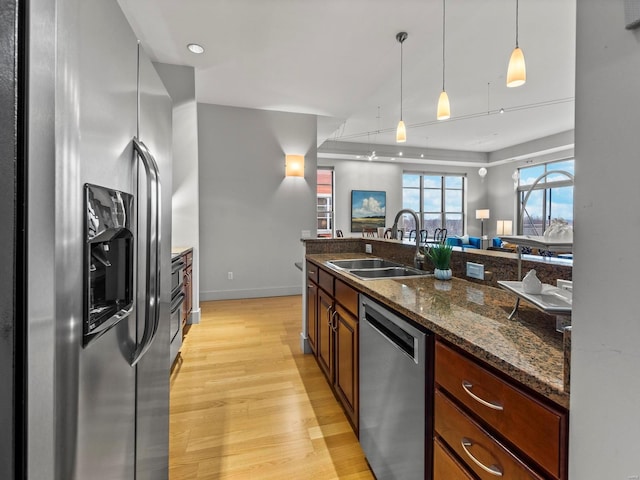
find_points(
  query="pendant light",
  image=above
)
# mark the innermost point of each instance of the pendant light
(444, 110)
(401, 132)
(517, 72)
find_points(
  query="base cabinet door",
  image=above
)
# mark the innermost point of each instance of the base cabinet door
(335, 344)
(312, 316)
(346, 370)
(325, 334)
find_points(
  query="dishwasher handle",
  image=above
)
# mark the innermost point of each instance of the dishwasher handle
(393, 333)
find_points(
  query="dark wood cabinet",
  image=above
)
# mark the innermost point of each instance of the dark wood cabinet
(312, 306)
(446, 466)
(325, 334)
(312, 316)
(491, 423)
(332, 331)
(346, 361)
(187, 286)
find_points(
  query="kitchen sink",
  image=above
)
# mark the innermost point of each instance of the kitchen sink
(364, 263)
(372, 268)
(391, 272)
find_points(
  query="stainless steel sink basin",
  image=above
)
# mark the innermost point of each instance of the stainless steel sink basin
(391, 272)
(372, 268)
(364, 263)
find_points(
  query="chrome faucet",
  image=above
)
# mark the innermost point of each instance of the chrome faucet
(418, 259)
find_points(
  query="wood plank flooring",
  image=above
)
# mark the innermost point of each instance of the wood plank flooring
(246, 404)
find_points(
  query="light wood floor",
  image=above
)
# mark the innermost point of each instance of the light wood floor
(246, 404)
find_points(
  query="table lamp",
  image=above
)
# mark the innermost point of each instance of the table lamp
(483, 215)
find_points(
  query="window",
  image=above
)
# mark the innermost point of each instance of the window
(550, 199)
(325, 202)
(437, 198)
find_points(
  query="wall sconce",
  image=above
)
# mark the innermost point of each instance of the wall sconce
(482, 215)
(294, 165)
(505, 227)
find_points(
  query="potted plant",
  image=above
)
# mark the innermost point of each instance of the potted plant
(440, 256)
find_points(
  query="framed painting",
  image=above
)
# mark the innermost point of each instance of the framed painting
(368, 209)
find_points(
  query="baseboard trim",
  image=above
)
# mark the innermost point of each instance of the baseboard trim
(194, 317)
(250, 293)
(304, 344)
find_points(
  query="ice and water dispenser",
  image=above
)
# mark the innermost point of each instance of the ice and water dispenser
(108, 260)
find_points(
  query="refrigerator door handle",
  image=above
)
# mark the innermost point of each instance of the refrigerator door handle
(152, 274)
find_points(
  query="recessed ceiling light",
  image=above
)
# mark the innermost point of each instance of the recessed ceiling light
(422, 155)
(400, 153)
(195, 48)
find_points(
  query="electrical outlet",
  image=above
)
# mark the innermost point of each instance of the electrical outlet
(367, 248)
(306, 233)
(229, 275)
(475, 270)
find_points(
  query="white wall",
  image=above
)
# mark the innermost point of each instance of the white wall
(251, 216)
(387, 177)
(605, 374)
(180, 83)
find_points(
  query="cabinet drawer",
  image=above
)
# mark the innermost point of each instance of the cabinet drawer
(537, 429)
(347, 297)
(312, 272)
(325, 280)
(482, 454)
(445, 467)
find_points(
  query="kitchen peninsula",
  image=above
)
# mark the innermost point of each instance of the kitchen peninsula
(473, 338)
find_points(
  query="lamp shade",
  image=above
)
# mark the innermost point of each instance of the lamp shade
(504, 227)
(294, 165)
(401, 132)
(482, 214)
(444, 109)
(517, 70)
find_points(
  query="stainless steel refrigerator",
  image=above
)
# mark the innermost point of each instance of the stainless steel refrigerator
(89, 336)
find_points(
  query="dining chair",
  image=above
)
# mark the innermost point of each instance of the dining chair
(440, 235)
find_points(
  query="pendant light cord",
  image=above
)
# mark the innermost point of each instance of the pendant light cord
(401, 37)
(517, 8)
(443, 31)
(401, 41)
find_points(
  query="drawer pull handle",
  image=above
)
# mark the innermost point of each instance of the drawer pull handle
(493, 469)
(467, 388)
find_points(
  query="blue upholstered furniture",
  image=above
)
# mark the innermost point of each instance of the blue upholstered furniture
(465, 241)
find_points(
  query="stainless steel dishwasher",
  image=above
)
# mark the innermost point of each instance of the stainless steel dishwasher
(396, 367)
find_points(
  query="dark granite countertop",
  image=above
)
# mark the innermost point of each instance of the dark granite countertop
(474, 317)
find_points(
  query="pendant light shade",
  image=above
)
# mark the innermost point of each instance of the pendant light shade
(444, 110)
(401, 131)
(517, 71)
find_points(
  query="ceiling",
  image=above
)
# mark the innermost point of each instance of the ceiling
(339, 59)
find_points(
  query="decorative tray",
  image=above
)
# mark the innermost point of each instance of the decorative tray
(552, 300)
